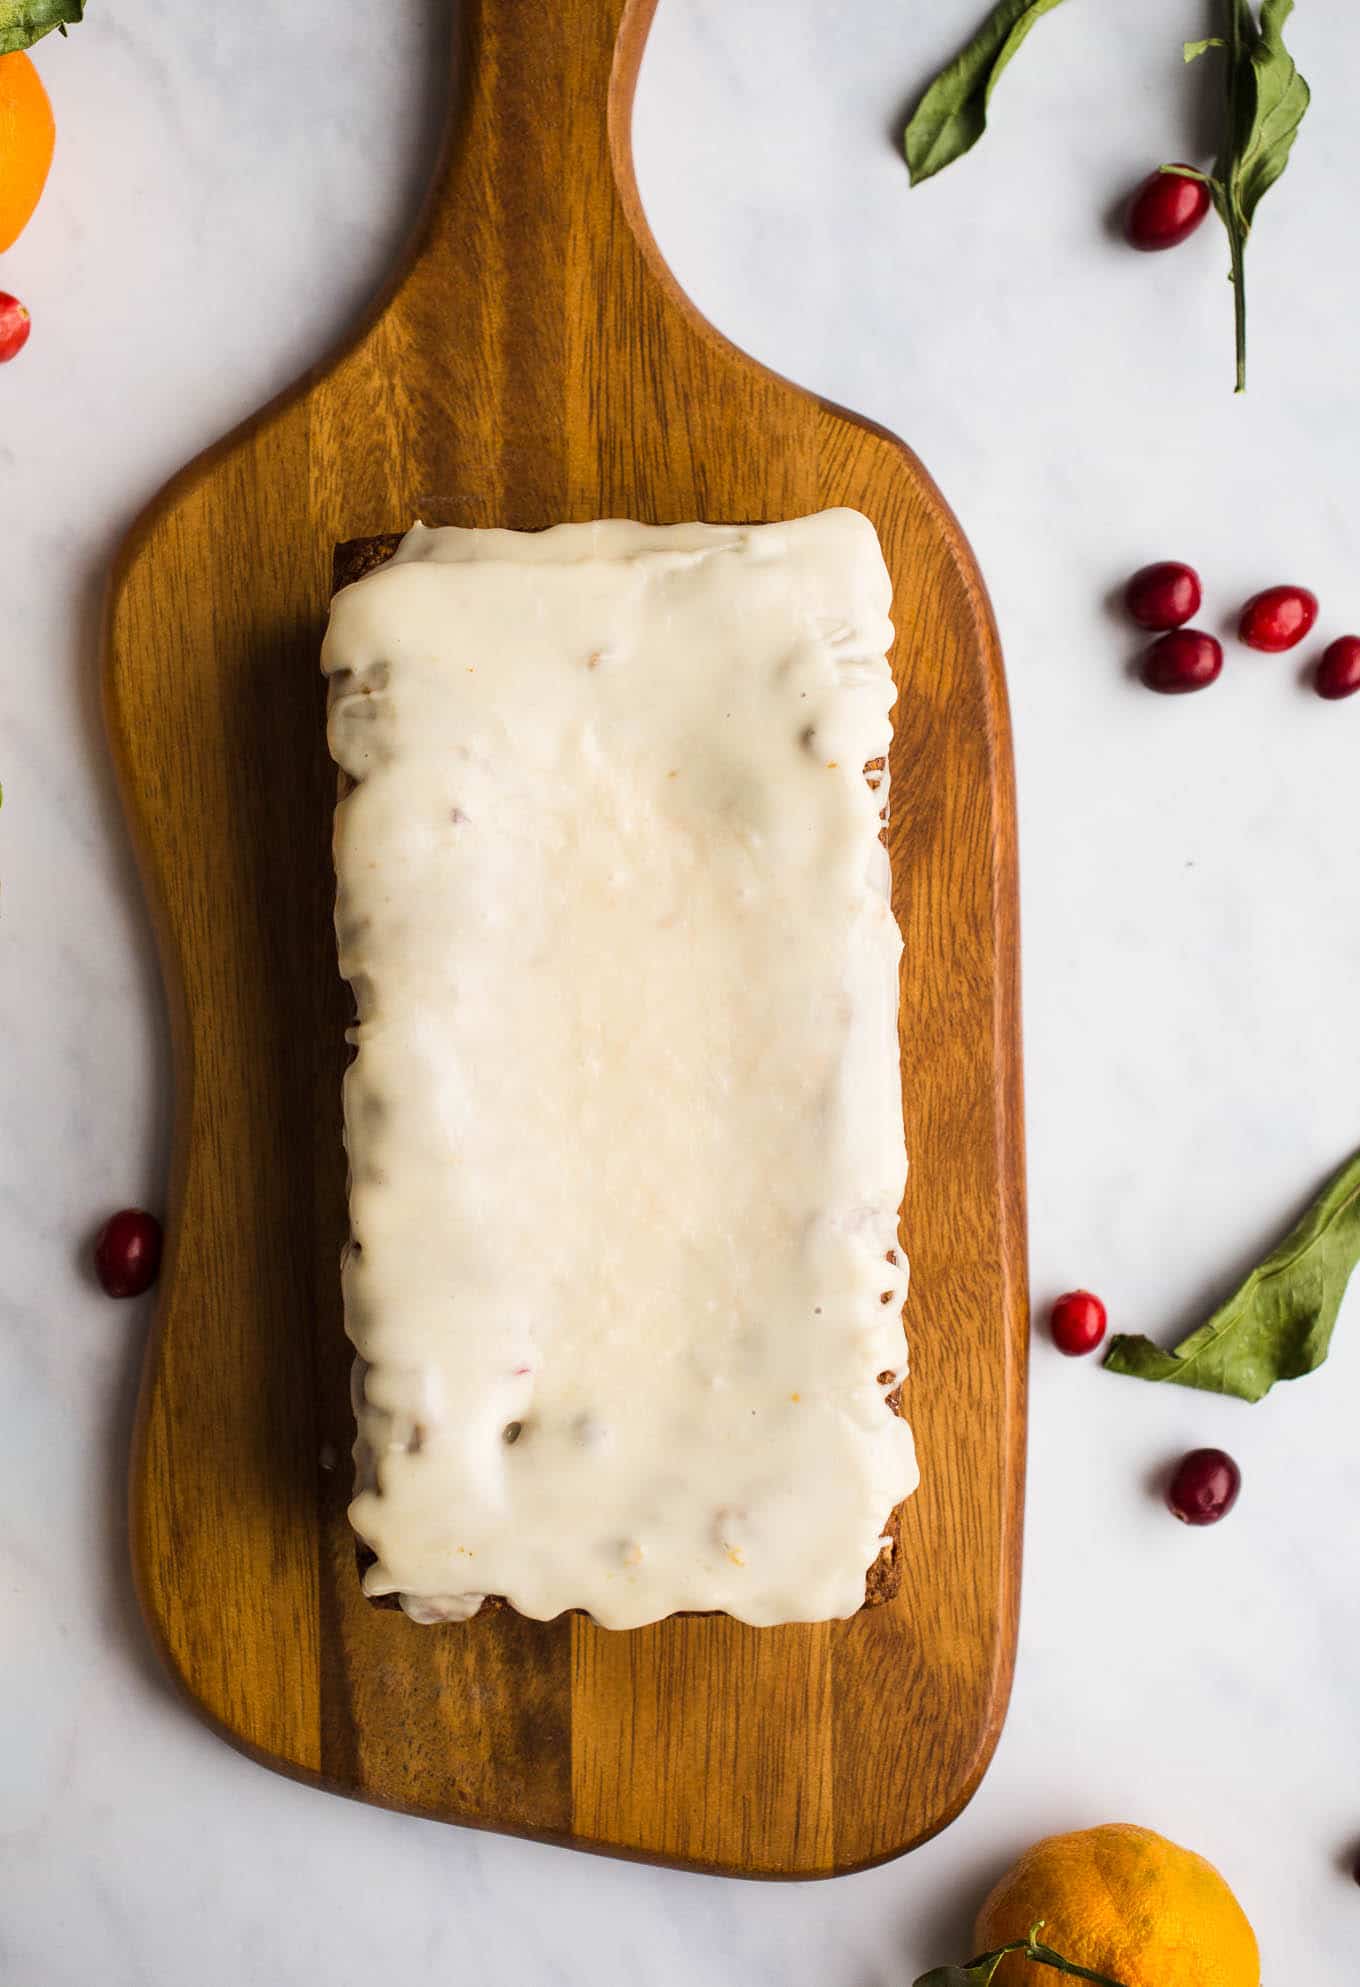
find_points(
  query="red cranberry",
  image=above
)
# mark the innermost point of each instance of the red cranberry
(1166, 595)
(14, 326)
(1077, 1323)
(1204, 1487)
(1278, 618)
(1182, 660)
(127, 1252)
(1167, 208)
(1338, 673)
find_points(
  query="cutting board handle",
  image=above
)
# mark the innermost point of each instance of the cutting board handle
(544, 102)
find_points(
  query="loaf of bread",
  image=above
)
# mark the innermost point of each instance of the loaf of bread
(495, 1391)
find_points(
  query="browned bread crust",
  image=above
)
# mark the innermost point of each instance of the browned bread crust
(357, 556)
(350, 561)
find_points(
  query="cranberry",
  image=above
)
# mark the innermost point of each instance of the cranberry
(15, 326)
(1204, 1487)
(1077, 1323)
(1166, 595)
(1278, 618)
(1182, 660)
(1338, 673)
(127, 1252)
(1167, 207)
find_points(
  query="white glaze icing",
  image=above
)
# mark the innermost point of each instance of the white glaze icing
(624, 1121)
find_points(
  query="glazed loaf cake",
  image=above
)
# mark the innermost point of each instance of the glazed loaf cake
(624, 1119)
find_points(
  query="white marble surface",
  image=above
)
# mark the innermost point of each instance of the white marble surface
(230, 183)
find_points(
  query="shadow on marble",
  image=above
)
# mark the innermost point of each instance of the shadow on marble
(1216, 1286)
(119, 1613)
(944, 1926)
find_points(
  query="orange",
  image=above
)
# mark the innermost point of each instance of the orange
(27, 135)
(1126, 1903)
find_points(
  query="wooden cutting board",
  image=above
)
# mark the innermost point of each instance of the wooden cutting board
(536, 362)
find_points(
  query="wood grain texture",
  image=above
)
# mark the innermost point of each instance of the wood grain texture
(536, 362)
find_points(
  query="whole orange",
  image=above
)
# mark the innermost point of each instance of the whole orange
(27, 135)
(1126, 1903)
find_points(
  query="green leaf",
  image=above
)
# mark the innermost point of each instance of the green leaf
(953, 1976)
(952, 115)
(1265, 100)
(1271, 108)
(977, 1973)
(1192, 50)
(22, 22)
(1278, 1324)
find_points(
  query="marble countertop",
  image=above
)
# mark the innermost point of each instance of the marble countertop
(230, 185)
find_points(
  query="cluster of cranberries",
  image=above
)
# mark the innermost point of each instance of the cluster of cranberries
(1204, 1484)
(1163, 597)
